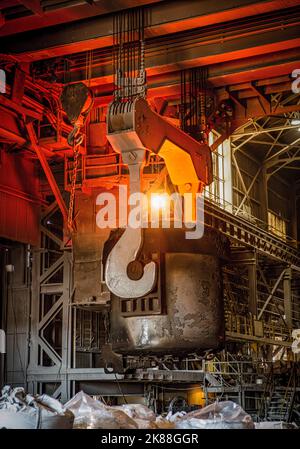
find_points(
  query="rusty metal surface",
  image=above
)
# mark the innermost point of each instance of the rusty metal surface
(88, 241)
(193, 319)
(73, 99)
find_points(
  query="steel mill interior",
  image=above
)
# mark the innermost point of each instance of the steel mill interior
(150, 205)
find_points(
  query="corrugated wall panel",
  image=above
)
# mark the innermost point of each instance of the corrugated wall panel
(19, 219)
(19, 199)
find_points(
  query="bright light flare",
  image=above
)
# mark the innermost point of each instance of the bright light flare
(159, 201)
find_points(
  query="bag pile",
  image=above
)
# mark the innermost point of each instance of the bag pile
(92, 414)
(219, 415)
(19, 410)
(142, 415)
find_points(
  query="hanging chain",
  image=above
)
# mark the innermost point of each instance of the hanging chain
(77, 101)
(194, 98)
(129, 55)
(78, 139)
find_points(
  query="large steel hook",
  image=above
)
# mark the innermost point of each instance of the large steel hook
(122, 256)
(124, 275)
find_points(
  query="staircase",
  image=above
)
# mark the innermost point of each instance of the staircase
(280, 404)
(213, 380)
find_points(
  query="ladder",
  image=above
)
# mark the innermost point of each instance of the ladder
(281, 400)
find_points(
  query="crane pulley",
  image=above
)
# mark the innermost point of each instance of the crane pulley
(77, 101)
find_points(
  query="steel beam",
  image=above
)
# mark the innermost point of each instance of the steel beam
(247, 233)
(273, 160)
(248, 258)
(47, 171)
(285, 163)
(33, 6)
(265, 196)
(262, 131)
(51, 270)
(52, 236)
(18, 85)
(14, 106)
(242, 337)
(8, 4)
(52, 15)
(42, 318)
(246, 196)
(271, 294)
(269, 290)
(271, 71)
(252, 275)
(293, 158)
(262, 98)
(96, 32)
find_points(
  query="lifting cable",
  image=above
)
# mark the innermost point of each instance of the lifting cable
(129, 55)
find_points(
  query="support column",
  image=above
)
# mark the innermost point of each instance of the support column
(292, 231)
(66, 326)
(264, 195)
(227, 175)
(51, 291)
(248, 258)
(287, 291)
(297, 212)
(252, 275)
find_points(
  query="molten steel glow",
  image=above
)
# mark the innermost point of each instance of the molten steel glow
(159, 201)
